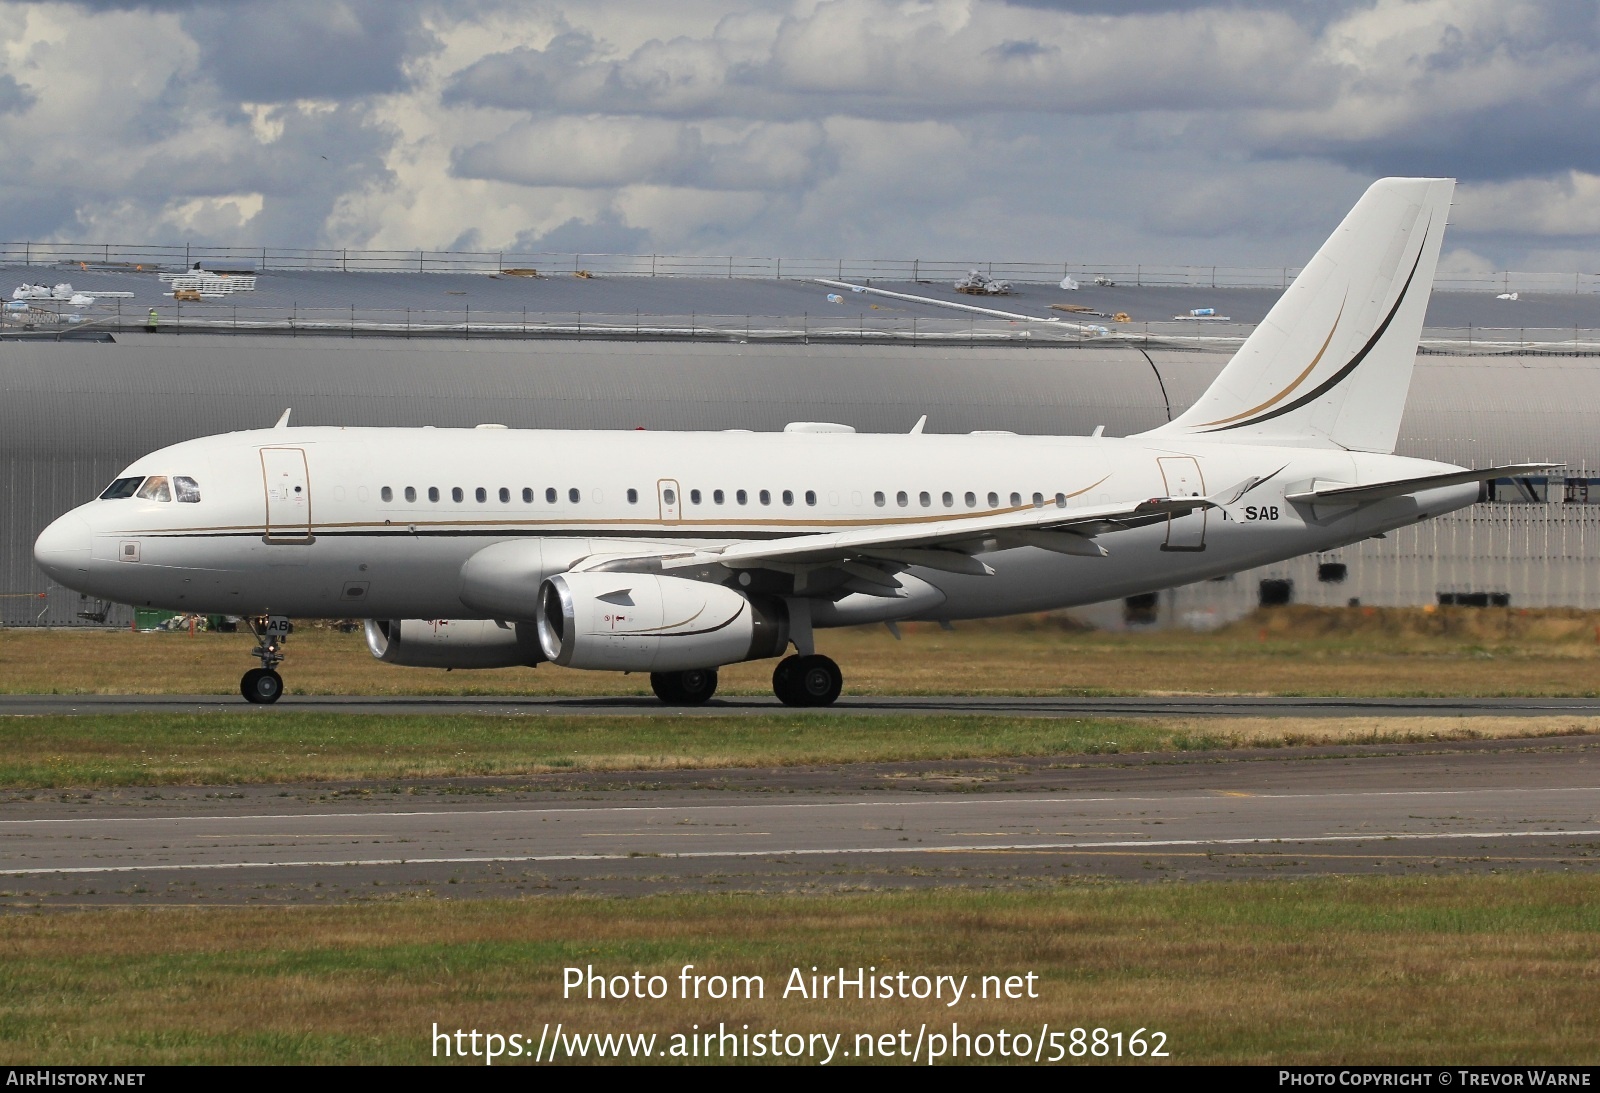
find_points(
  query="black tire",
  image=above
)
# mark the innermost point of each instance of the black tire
(665, 685)
(261, 685)
(783, 677)
(697, 685)
(817, 681)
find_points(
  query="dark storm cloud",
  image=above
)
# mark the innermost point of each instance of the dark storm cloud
(1496, 98)
(281, 50)
(14, 98)
(605, 234)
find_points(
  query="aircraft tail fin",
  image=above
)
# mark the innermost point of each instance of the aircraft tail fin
(1330, 365)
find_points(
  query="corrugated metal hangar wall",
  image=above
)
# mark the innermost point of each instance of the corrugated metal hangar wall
(74, 414)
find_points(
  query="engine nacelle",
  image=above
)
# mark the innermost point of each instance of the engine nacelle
(453, 643)
(644, 622)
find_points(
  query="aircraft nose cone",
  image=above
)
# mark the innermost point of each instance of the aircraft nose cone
(62, 549)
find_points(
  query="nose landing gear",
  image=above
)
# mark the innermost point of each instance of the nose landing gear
(264, 684)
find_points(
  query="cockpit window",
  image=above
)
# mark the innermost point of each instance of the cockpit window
(187, 489)
(155, 489)
(122, 487)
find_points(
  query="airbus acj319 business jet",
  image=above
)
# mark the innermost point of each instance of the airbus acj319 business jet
(677, 553)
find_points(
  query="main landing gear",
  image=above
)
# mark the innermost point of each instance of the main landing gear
(813, 680)
(690, 688)
(264, 684)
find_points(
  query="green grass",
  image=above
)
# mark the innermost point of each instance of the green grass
(1370, 970)
(157, 749)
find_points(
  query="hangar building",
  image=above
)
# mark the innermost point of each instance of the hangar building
(76, 410)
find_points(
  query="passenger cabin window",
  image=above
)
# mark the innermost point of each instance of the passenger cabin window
(1038, 500)
(811, 497)
(386, 493)
(1061, 500)
(186, 489)
(456, 495)
(716, 496)
(994, 500)
(481, 494)
(505, 496)
(122, 487)
(741, 497)
(411, 493)
(788, 497)
(527, 495)
(971, 499)
(1016, 498)
(694, 497)
(433, 493)
(878, 499)
(901, 499)
(155, 489)
(766, 497)
(949, 499)
(633, 496)
(925, 498)
(669, 496)
(550, 494)
(572, 495)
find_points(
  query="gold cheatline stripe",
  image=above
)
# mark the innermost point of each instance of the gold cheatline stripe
(403, 524)
(1298, 380)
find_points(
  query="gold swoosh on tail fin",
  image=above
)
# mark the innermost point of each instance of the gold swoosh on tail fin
(1287, 391)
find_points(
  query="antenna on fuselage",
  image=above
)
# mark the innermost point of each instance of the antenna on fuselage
(283, 422)
(921, 421)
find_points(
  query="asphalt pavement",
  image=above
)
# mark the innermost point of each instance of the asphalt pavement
(1471, 806)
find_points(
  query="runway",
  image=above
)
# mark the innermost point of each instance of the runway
(1006, 706)
(1290, 812)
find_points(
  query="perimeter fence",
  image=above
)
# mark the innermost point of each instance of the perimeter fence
(58, 319)
(143, 256)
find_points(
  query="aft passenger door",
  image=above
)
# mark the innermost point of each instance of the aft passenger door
(1181, 473)
(288, 486)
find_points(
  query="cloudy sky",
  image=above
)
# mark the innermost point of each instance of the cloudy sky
(1211, 131)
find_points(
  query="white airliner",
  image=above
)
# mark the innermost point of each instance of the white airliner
(677, 553)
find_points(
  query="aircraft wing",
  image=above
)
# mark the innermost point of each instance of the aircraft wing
(947, 543)
(1330, 494)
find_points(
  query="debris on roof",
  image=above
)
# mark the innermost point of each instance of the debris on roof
(976, 283)
(207, 284)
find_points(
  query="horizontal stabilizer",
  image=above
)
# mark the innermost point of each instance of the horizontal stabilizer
(1377, 491)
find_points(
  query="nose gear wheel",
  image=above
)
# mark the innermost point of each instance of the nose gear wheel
(261, 685)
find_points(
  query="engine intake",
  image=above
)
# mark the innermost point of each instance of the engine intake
(644, 622)
(452, 643)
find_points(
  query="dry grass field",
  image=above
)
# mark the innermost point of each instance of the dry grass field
(256, 747)
(1437, 970)
(1283, 651)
